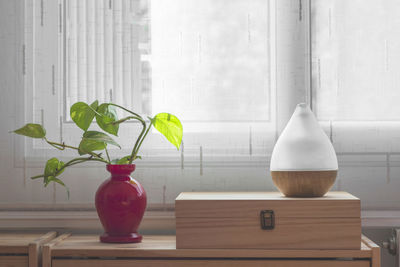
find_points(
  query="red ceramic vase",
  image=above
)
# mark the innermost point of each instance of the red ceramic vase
(120, 203)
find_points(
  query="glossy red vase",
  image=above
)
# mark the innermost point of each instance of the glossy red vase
(120, 203)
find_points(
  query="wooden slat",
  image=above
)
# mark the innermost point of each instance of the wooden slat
(249, 204)
(17, 243)
(337, 195)
(4, 249)
(13, 261)
(289, 233)
(35, 248)
(45, 238)
(33, 256)
(376, 251)
(208, 263)
(46, 255)
(165, 246)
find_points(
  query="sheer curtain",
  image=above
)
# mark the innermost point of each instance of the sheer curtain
(208, 62)
(106, 52)
(355, 60)
(232, 70)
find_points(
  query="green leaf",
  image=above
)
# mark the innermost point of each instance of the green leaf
(124, 160)
(88, 145)
(32, 130)
(114, 161)
(100, 137)
(53, 167)
(94, 140)
(56, 180)
(83, 114)
(107, 115)
(170, 126)
(47, 180)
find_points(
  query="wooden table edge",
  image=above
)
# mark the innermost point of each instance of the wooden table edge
(46, 254)
(34, 248)
(375, 251)
(365, 251)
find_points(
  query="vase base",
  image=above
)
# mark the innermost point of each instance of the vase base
(129, 238)
(304, 183)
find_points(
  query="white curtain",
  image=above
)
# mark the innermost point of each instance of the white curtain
(106, 46)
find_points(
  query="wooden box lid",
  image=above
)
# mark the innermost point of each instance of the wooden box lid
(249, 204)
(20, 243)
(22, 249)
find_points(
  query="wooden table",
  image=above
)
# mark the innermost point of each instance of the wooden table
(22, 249)
(87, 251)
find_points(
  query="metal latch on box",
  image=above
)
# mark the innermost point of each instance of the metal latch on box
(267, 219)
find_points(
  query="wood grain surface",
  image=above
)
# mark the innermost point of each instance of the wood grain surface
(249, 204)
(289, 233)
(165, 246)
(22, 249)
(232, 220)
(304, 183)
(87, 251)
(14, 261)
(210, 263)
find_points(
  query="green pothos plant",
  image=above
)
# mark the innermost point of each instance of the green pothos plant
(93, 144)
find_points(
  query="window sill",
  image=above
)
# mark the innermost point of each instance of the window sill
(78, 220)
(152, 221)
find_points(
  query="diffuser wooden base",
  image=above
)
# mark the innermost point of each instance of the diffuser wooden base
(304, 183)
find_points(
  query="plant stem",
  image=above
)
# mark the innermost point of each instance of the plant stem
(141, 141)
(37, 176)
(63, 146)
(78, 161)
(108, 156)
(70, 163)
(125, 119)
(127, 110)
(133, 153)
(59, 145)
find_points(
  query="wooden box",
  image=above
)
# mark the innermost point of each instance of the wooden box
(267, 220)
(155, 251)
(22, 249)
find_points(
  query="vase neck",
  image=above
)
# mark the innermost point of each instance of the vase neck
(121, 172)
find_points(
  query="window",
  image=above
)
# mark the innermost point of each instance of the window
(210, 59)
(355, 56)
(216, 60)
(107, 46)
(208, 62)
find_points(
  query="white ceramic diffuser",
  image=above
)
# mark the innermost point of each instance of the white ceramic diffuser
(303, 162)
